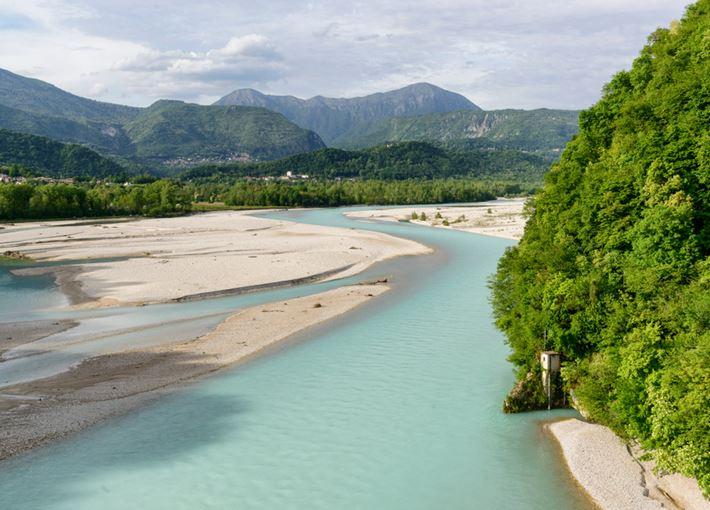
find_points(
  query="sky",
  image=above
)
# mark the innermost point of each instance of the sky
(498, 53)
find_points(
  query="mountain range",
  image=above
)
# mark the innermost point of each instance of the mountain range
(249, 125)
(333, 118)
(419, 112)
(165, 132)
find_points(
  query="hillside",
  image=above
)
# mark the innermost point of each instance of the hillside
(535, 130)
(174, 134)
(614, 268)
(333, 118)
(36, 96)
(54, 159)
(397, 161)
(173, 129)
(168, 131)
(107, 138)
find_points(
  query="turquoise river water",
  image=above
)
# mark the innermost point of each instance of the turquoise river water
(396, 405)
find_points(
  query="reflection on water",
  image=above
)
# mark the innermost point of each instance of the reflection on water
(396, 405)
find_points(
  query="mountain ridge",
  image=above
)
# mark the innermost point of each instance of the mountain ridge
(177, 133)
(170, 129)
(333, 117)
(205, 132)
(39, 97)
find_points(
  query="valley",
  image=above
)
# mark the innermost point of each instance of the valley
(339, 285)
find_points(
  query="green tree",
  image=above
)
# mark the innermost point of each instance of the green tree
(612, 270)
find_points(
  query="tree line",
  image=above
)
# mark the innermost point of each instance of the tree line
(36, 201)
(339, 193)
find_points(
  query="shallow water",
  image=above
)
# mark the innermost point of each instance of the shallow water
(396, 405)
(21, 293)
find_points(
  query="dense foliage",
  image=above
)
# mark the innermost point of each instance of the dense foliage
(614, 270)
(54, 159)
(408, 160)
(337, 193)
(26, 201)
(149, 197)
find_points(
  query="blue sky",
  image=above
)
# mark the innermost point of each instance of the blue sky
(498, 53)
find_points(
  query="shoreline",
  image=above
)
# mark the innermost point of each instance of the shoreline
(505, 219)
(41, 411)
(16, 334)
(612, 474)
(216, 254)
(650, 491)
(65, 277)
(125, 264)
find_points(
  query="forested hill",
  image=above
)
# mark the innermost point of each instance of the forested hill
(174, 129)
(107, 138)
(54, 159)
(395, 161)
(248, 125)
(38, 97)
(541, 130)
(171, 132)
(614, 270)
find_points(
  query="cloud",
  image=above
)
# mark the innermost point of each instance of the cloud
(245, 59)
(251, 50)
(252, 45)
(499, 53)
(14, 21)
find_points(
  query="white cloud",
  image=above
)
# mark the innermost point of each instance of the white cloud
(251, 45)
(249, 59)
(500, 53)
(249, 52)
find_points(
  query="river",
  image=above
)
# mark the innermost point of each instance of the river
(396, 405)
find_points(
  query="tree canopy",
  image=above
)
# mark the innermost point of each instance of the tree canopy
(392, 161)
(613, 270)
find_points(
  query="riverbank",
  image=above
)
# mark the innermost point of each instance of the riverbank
(612, 474)
(102, 387)
(605, 468)
(503, 218)
(164, 259)
(14, 334)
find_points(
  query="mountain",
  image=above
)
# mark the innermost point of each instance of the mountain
(35, 96)
(393, 161)
(54, 159)
(613, 270)
(104, 137)
(173, 130)
(168, 131)
(534, 130)
(333, 118)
